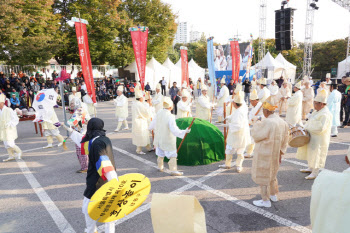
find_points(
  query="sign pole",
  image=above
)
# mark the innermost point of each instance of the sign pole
(63, 104)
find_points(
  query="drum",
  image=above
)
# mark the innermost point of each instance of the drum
(298, 137)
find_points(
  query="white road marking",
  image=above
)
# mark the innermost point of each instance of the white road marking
(246, 205)
(61, 222)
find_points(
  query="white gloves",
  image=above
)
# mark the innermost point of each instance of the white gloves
(187, 130)
(69, 129)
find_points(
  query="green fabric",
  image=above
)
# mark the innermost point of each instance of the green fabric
(347, 88)
(203, 145)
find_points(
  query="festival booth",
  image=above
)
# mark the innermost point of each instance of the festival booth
(342, 68)
(195, 71)
(274, 68)
(289, 69)
(148, 76)
(159, 71)
(174, 72)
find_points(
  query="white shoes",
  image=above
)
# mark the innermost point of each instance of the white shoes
(248, 156)
(48, 146)
(60, 144)
(116, 130)
(308, 170)
(239, 169)
(141, 153)
(311, 177)
(261, 203)
(274, 198)
(176, 173)
(127, 128)
(224, 166)
(8, 159)
(19, 155)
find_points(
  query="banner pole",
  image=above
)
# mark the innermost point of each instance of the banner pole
(63, 104)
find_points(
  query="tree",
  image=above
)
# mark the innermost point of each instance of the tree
(27, 32)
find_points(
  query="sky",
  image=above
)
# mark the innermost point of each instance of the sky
(223, 18)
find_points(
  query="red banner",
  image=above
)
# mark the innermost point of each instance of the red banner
(184, 67)
(85, 60)
(235, 60)
(139, 37)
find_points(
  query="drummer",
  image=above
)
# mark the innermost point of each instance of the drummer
(319, 126)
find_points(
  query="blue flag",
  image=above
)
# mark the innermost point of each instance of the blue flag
(210, 60)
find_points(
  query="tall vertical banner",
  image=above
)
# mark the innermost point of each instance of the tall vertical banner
(210, 60)
(250, 57)
(84, 53)
(184, 65)
(139, 37)
(235, 59)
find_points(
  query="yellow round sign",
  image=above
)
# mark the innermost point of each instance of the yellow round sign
(116, 199)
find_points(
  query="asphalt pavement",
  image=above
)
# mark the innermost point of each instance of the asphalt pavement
(43, 193)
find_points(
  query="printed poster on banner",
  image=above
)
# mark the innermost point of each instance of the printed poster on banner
(139, 37)
(184, 65)
(84, 54)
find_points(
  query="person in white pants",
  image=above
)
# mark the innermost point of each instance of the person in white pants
(166, 131)
(121, 109)
(8, 130)
(238, 134)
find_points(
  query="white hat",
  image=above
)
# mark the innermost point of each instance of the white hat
(185, 93)
(321, 97)
(253, 95)
(240, 77)
(138, 94)
(263, 81)
(2, 98)
(204, 87)
(158, 86)
(167, 103)
(298, 85)
(223, 80)
(120, 88)
(209, 81)
(328, 75)
(254, 76)
(239, 97)
(74, 89)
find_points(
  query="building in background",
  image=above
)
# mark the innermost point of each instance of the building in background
(181, 35)
(194, 35)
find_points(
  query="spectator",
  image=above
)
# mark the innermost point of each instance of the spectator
(54, 75)
(199, 87)
(247, 86)
(148, 88)
(231, 87)
(15, 103)
(173, 91)
(164, 83)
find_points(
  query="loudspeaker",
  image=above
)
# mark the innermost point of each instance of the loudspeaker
(284, 19)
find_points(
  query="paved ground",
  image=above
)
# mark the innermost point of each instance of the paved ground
(43, 193)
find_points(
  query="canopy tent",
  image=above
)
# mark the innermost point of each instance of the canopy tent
(289, 69)
(342, 68)
(194, 70)
(174, 72)
(273, 67)
(149, 74)
(159, 71)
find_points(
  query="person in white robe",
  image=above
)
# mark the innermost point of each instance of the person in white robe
(211, 91)
(330, 198)
(166, 131)
(295, 107)
(50, 127)
(158, 98)
(74, 94)
(204, 106)
(121, 109)
(238, 133)
(273, 88)
(283, 96)
(8, 130)
(254, 83)
(319, 126)
(271, 137)
(91, 106)
(333, 104)
(328, 82)
(323, 86)
(308, 99)
(140, 117)
(221, 98)
(184, 106)
(263, 93)
(255, 114)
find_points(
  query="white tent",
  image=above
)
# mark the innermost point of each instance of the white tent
(342, 68)
(274, 67)
(149, 74)
(175, 72)
(289, 69)
(194, 70)
(159, 71)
